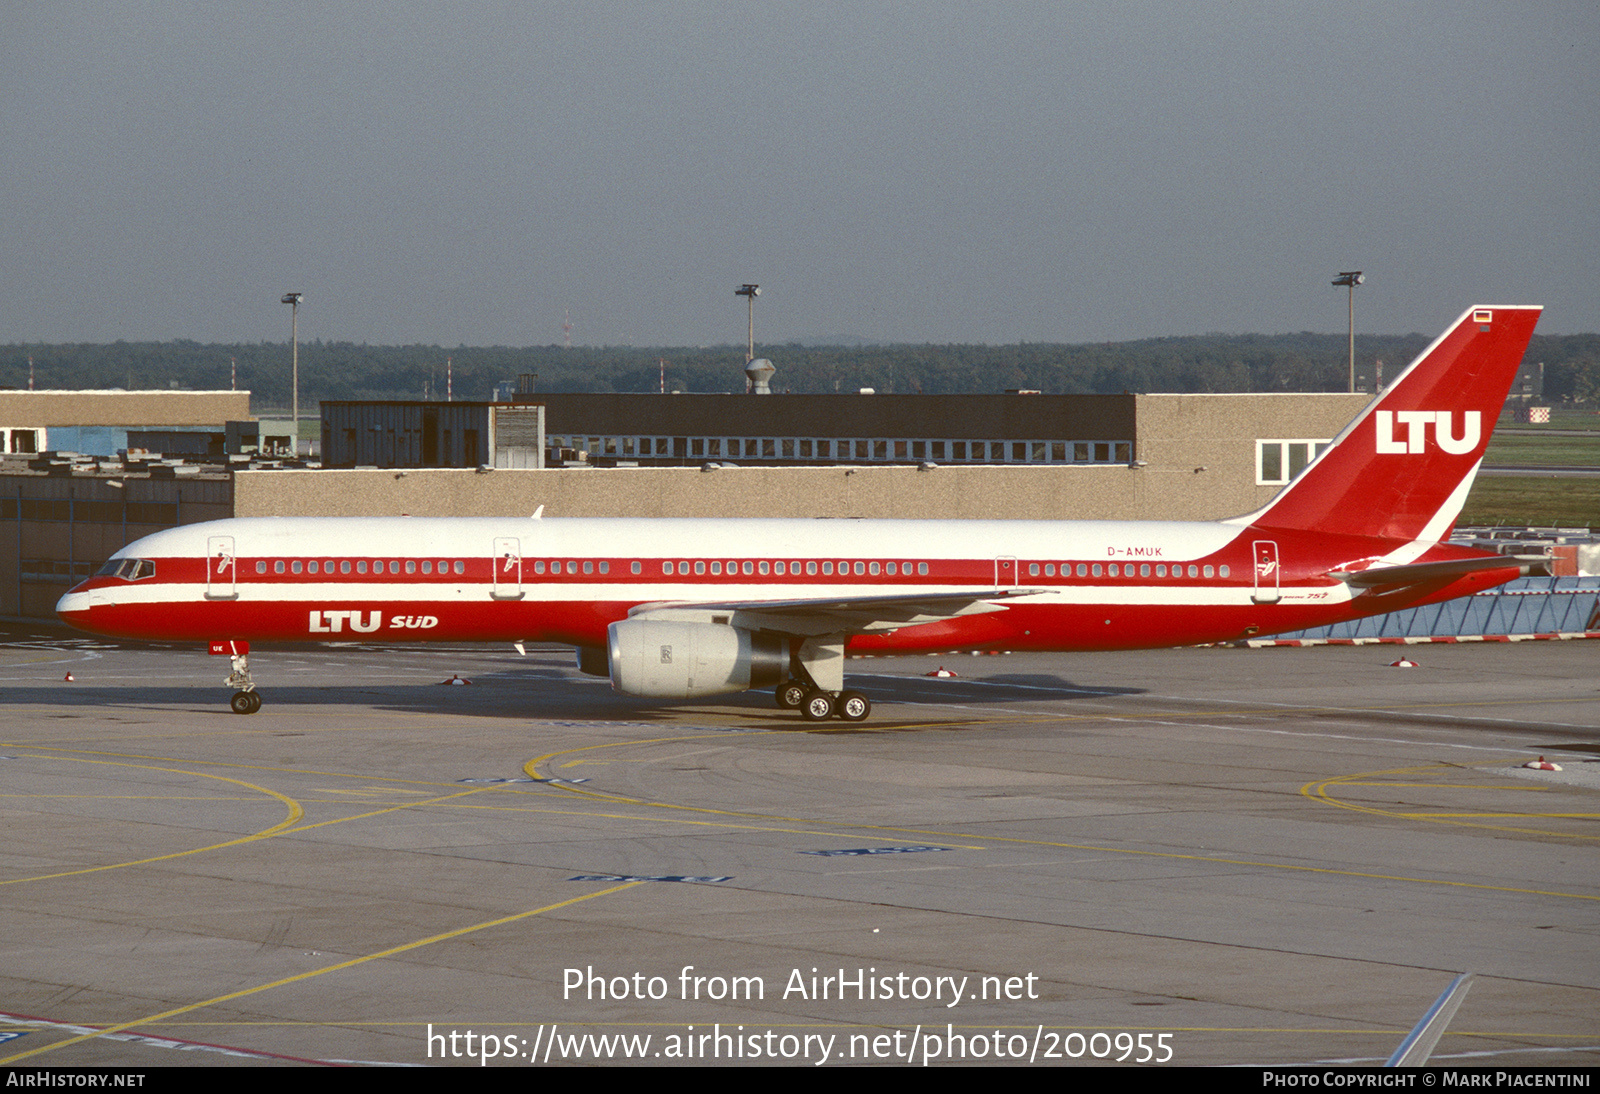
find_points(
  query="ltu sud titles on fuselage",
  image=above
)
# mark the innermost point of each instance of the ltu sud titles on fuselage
(326, 622)
(1445, 1078)
(857, 984)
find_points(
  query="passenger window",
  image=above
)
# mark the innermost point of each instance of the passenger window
(764, 568)
(1114, 570)
(1194, 571)
(922, 568)
(827, 568)
(1049, 569)
(861, 568)
(588, 567)
(1096, 569)
(777, 568)
(296, 566)
(344, 566)
(811, 569)
(394, 567)
(361, 567)
(538, 567)
(1161, 571)
(749, 568)
(605, 567)
(411, 566)
(699, 567)
(427, 566)
(261, 567)
(1209, 571)
(872, 568)
(1033, 569)
(1223, 571)
(460, 567)
(716, 568)
(1082, 570)
(890, 569)
(636, 568)
(1144, 569)
(666, 567)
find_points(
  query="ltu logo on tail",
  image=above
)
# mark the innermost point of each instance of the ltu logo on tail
(1416, 423)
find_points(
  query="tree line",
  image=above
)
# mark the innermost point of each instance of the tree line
(345, 370)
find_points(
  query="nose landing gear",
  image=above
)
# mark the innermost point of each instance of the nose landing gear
(247, 700)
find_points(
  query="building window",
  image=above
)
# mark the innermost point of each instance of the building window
(1279, 461)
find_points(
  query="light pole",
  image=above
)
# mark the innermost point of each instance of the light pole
(1350, 279)
(293, 300)
(750, 292)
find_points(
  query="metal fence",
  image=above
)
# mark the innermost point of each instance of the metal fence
(1530, 606)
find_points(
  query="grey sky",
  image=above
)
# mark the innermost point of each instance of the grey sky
(948, 172)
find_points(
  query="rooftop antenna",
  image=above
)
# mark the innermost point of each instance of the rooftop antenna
(566, 328)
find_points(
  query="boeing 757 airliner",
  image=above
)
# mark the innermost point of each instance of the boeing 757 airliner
(681, 608)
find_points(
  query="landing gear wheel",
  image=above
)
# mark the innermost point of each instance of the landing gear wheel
(853, 706)
(245, 702)
(818, 707)
(791, 695)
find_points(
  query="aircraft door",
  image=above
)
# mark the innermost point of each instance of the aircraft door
(507, 561)
(1266, 572)
(221, 569)
(1005, 572)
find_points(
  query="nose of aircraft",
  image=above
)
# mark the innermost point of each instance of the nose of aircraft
(73, 608)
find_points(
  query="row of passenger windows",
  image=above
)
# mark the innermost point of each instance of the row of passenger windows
(1114, 569)
(782, 569)
(345, 566)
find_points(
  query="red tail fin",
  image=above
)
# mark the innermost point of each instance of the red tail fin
(1403, 468)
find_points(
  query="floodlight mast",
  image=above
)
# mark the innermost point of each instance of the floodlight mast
(293, 300)
(750, 292)
(1350, 279)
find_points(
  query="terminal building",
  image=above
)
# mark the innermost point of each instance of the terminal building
(1275, 434)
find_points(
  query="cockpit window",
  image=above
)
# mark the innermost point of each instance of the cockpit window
(128, 569)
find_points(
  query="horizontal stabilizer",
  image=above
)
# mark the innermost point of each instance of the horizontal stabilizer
(1380, 577)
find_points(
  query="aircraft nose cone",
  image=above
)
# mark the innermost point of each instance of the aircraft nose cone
(73, 608)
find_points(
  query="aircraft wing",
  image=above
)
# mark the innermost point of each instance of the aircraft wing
(857, 615)
(1390, 577)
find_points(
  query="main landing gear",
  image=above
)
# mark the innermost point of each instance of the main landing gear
(247, 700)
(816, 705)
(816, 682)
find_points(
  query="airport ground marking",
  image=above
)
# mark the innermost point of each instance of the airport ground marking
(295, 812)
(1318, 790)
(531, 769)
(820, 830)
(70, 753)
(336, 967)
(288, 826)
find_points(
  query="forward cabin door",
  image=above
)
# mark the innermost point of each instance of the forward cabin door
(507, 562)
(1266, 571)
(221, 569)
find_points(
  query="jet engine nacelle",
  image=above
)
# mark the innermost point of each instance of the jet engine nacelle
(666, 659)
